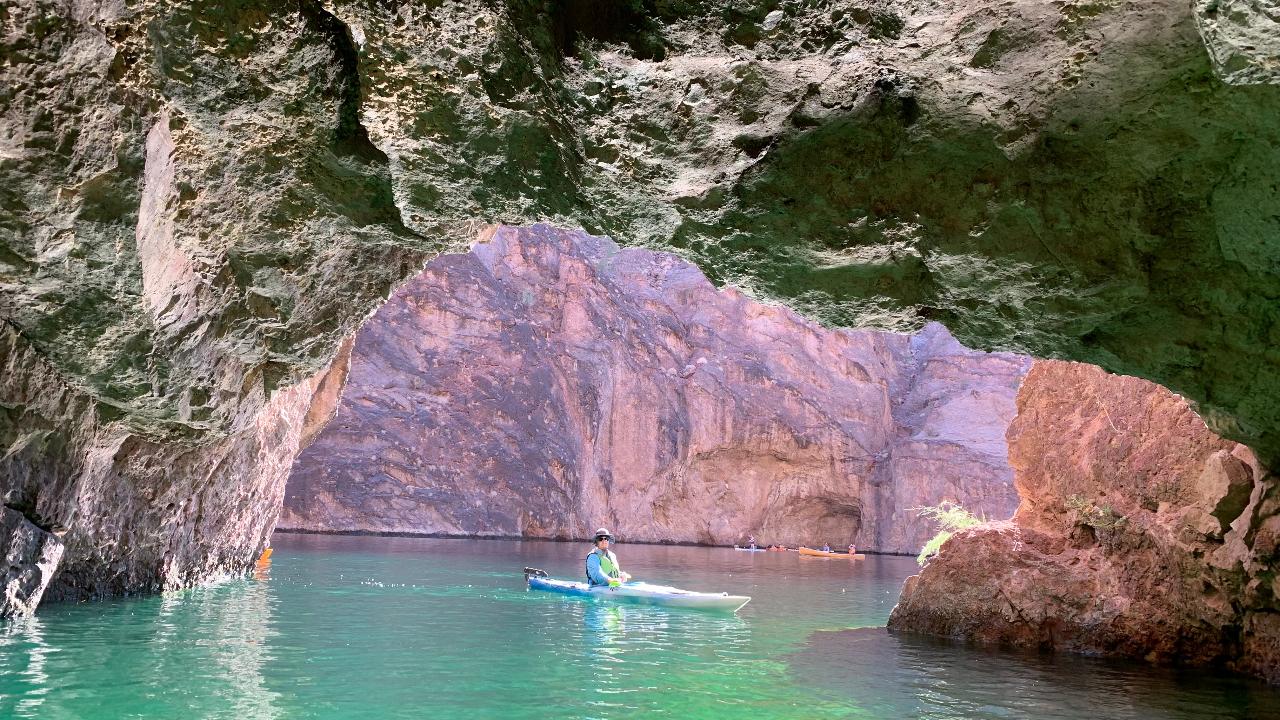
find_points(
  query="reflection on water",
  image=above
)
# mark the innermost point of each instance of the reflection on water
(932, 678)
(356, 628)
(239, 638)
(201, 651)
(605, 623)
(24, 639)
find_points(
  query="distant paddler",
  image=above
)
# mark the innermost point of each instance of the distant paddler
(602, 565)
(262, 566)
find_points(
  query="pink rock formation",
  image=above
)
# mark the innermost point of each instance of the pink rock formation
(549, 382)
(1140, 533)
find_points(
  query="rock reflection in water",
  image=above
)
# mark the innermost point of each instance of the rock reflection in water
(239, 636)
(28, 666)
(914, 676)
(200, 653)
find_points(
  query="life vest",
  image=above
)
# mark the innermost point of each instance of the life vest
(608, 564)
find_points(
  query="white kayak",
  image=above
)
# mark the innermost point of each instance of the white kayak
(641, 593)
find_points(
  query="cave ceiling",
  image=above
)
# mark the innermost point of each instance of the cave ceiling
(198, 200)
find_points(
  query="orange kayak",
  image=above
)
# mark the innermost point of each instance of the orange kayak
(822, 553)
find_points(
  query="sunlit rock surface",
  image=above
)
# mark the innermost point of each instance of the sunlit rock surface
(1243, 39)
(1140, 533)
(549, 382)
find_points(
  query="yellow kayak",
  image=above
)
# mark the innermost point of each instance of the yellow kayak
(822, 553)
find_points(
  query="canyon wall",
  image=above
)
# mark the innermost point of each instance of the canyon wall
(1141, 533)
(549, 382)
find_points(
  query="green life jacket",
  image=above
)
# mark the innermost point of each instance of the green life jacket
(607, 565)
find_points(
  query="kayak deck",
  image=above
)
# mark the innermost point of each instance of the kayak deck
(640, 593)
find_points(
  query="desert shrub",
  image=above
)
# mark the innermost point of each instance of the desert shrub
(948, 517)
(1099, 518)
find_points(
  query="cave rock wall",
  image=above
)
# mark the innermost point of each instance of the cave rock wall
(198, 199)
(95, 506)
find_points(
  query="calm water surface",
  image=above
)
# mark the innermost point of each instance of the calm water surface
(347, 627)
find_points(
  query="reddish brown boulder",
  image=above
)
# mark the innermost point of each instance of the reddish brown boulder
(549, 382)
(1140, 533)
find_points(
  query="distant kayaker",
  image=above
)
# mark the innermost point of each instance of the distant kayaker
(852, 549)
(602, 564)
(751, 541)
(826, 547)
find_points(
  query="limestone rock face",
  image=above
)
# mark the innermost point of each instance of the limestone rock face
(550, 382)
(1243, 39)
(135, 510)
(1140, 533)
(31, 555)
(191, 219)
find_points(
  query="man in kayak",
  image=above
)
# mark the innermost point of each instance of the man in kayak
(602, 564)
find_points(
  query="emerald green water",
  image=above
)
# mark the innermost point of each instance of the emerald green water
(346, 627)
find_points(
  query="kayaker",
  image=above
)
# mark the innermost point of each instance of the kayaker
(602, 564)
(751, 541)
(852, 549)
(826, 547)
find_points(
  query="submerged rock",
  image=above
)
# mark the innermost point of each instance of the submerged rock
(550, 382)
(1141, 533)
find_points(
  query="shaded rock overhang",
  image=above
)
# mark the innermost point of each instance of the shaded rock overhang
(200, 194)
